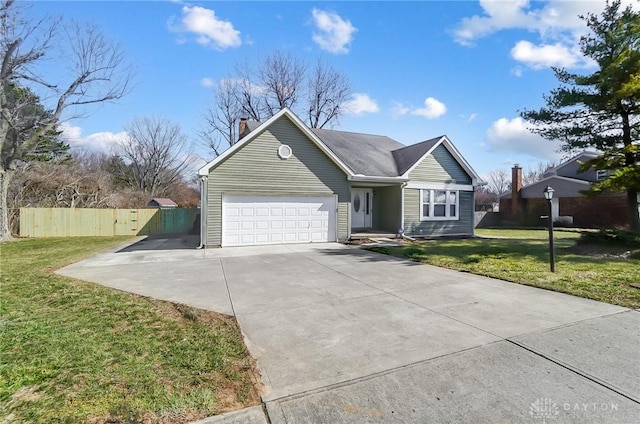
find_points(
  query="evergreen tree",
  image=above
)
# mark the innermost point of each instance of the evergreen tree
(602, 110)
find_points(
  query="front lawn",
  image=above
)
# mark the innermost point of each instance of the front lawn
(78, 352)
(522, 256)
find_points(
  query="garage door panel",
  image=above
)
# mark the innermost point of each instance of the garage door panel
(277, 219)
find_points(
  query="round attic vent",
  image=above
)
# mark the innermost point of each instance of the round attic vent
(284, 152)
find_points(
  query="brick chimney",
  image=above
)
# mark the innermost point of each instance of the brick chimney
(516, 187)
(242, 128)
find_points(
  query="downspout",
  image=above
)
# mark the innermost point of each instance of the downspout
(203, 212)
(402, 186)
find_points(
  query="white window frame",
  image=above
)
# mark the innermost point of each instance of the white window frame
(430, 193)
(602, 174)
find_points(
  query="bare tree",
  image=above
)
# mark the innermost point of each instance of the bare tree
(536, 173)
(328, 89)
(281, 80)
(221, 118)
(157, 154)
(281, 76)
(249, 95)
(98, 73)
(485, 199)
(498, 182)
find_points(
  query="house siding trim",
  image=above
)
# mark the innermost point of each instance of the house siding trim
(440, 186)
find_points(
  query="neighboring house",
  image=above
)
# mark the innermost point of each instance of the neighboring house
(162, 203)
(286, 183)
(570, 204)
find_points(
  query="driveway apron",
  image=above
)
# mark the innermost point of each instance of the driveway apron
(346, 335)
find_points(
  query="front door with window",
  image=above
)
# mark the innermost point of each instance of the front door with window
(361, 211)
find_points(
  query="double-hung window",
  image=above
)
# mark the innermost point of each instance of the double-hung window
(439, 205)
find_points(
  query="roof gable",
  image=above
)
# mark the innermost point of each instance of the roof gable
(204, 171)
(408, 156)
(430, 145)
(585, 155)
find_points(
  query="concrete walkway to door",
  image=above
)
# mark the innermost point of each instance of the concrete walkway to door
(346, 335)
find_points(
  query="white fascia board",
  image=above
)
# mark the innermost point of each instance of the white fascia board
(245, 140)
(253, 134)
(327, 151)
(406, 174)
(475, 178)
(372, 179)
(440, 186)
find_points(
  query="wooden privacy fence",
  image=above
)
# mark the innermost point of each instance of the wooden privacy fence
(64, 222)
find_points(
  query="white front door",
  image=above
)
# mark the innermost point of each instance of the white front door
(361, 202)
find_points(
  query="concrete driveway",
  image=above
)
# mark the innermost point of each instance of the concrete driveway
(345, 335)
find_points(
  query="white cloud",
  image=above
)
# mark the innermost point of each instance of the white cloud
(472, 117)
(513, 135)
(398, 109)
(433, 109)
(207, 82)
(556, 23)
(333, 34)
(210, 30)
(96, 142)
(550, 20)
(547, 55)
(361, 103)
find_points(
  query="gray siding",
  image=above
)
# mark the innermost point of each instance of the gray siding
(256, 169)
(414, 227)
(571, 170)
(561, 187)
(386, 208)
(440, 167)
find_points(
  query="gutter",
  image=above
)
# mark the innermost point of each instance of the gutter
(203, 208)
(372, 179)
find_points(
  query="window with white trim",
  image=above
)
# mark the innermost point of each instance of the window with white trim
(439, 205)
(602, 174)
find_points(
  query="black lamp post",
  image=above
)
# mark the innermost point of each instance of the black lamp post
(548, 194)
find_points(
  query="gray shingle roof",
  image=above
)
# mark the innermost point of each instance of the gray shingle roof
(365, 154)
(408, 155)
(368, 154)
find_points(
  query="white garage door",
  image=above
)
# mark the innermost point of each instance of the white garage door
(252, 220)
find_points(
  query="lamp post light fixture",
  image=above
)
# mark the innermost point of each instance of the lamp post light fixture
(548, 194)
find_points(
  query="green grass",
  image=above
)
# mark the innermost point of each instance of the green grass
(522, 256)
(558, 234)
(78, 352)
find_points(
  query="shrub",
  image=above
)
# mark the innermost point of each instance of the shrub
(611, 237)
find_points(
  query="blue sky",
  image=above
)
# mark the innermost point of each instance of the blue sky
(418, 69)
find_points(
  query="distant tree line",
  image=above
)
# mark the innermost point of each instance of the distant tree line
(499, 182)
(152, 161)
